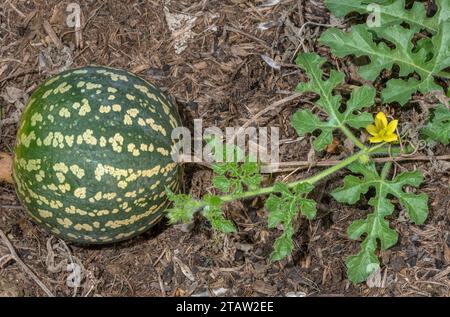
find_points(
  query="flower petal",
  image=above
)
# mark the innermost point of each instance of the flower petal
(391, 126)
(372, 129)
(390, 137)
(381, 120)
(375, 139)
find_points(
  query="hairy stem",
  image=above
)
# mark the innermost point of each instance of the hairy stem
(352, 137)
(385, 170)
(311, 180)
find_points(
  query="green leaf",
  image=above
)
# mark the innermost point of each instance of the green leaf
(400, 90)
(220, 168)
(283, 209)
(364, 263)
(394, 12)
(230, 177)
(340, 8)
(361, 97)
(304, 121)
(361, 265)
(183, 207)
(308, 208)
(361, 42)
(375, 227)
(283, 245)
(234, 177)
(303, 188)
(222, 183)
(438, 128)
(354, 187)
(251, 175)
(282, 188)
(213, 213)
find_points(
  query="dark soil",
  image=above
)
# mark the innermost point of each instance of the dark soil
(221, 78)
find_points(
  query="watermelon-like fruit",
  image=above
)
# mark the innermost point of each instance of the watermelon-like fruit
(93, 155)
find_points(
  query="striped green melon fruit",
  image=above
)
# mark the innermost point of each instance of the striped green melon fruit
(93, 155)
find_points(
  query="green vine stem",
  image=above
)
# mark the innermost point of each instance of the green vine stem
(385, 170)
(352, 137)
(311, 180)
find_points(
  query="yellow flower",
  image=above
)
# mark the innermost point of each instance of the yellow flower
(382, 131)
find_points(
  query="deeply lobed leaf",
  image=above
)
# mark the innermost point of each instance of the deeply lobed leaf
(183, 207)
(213, 213)
(375, 226)
(235, 177)
(283, 209)
(393, 12)
(438, 129)
(237, 172)
(305, 121)
(429, 58)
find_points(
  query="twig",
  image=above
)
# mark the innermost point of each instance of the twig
(299, 165)
(289, 166)
(14, 76)
(11, 206)
(17, 10)
(23, 265)
(161, 286)
(55, 39)
(160, 257)
(300, 32)
(232, 29)
(5, 259)
(271, 107)
(300, 12)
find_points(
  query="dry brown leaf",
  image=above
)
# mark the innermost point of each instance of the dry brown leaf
(446, 254)
(184, 269)
(331, 148)
(12, 94)
(6, 168)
